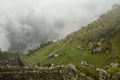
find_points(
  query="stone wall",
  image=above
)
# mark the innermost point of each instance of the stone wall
(32, 75)
(8, 59)
(66, 72)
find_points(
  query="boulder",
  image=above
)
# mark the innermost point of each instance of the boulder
(84, 63)
(117, 76)
(104, 75)
(114, 65)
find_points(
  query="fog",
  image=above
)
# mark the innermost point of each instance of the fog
(25, 24)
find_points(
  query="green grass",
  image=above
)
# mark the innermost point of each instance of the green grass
(116, 47)
(70, 54)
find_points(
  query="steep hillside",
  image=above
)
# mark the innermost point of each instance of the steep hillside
(98, 43)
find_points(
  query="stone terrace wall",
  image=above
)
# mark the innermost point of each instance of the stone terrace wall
(68, 72)
(32, 75)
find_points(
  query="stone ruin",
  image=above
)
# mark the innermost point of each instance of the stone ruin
(8, 59)
(64, 72)
(67, 72)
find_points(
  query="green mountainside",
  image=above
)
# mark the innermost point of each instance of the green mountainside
(79, 45)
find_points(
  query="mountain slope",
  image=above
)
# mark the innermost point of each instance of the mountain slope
(77, 46)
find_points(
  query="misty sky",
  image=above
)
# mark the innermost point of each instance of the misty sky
(25, 23)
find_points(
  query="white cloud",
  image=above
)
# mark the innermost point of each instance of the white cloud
(29, 21)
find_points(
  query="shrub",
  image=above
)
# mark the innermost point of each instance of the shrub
(88, 71)
(113, 70)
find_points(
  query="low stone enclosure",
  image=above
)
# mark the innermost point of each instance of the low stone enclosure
(82, 71)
